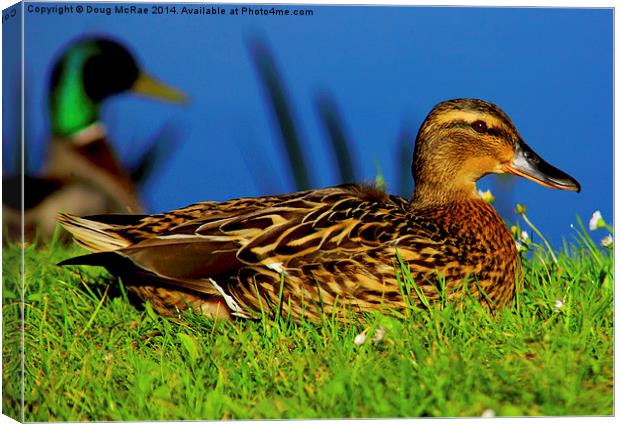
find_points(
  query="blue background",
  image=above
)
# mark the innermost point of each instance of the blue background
(550, 69)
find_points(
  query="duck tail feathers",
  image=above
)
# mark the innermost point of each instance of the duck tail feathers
(91, 234)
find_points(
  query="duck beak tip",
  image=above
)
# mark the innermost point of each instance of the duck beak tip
(151, 87)
(528, 164)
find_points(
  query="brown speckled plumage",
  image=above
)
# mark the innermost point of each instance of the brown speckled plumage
(340, 249)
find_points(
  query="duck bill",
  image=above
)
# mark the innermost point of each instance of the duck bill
(151, 87)
(528, 164)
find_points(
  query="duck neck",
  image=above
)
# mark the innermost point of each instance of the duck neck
(71, 109)
(442, 193)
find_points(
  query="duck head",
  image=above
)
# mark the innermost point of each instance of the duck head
(90, 71)
(462, 140)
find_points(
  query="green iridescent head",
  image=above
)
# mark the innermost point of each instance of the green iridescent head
(88, 72)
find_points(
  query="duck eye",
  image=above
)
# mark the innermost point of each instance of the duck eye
(479, 126)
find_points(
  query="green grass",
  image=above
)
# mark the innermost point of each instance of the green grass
(90, 354)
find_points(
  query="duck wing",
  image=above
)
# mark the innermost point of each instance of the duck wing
(215, 240)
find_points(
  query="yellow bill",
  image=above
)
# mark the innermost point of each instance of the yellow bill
(151, 87)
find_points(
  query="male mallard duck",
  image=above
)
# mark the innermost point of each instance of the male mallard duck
(82, 173)
(336, 248)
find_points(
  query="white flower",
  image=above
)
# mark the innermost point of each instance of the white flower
(520, 238)
(378, 336)
(607, 241)
(360, 338)
(488, 413)
(558, 305)
(596, 221)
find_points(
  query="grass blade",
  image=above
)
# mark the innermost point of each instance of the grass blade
(340, 143)
(278, 98)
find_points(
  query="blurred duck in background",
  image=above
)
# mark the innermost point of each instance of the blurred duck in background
(82, 173)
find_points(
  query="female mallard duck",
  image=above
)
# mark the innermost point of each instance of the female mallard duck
(82, 173)
(335, 249)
